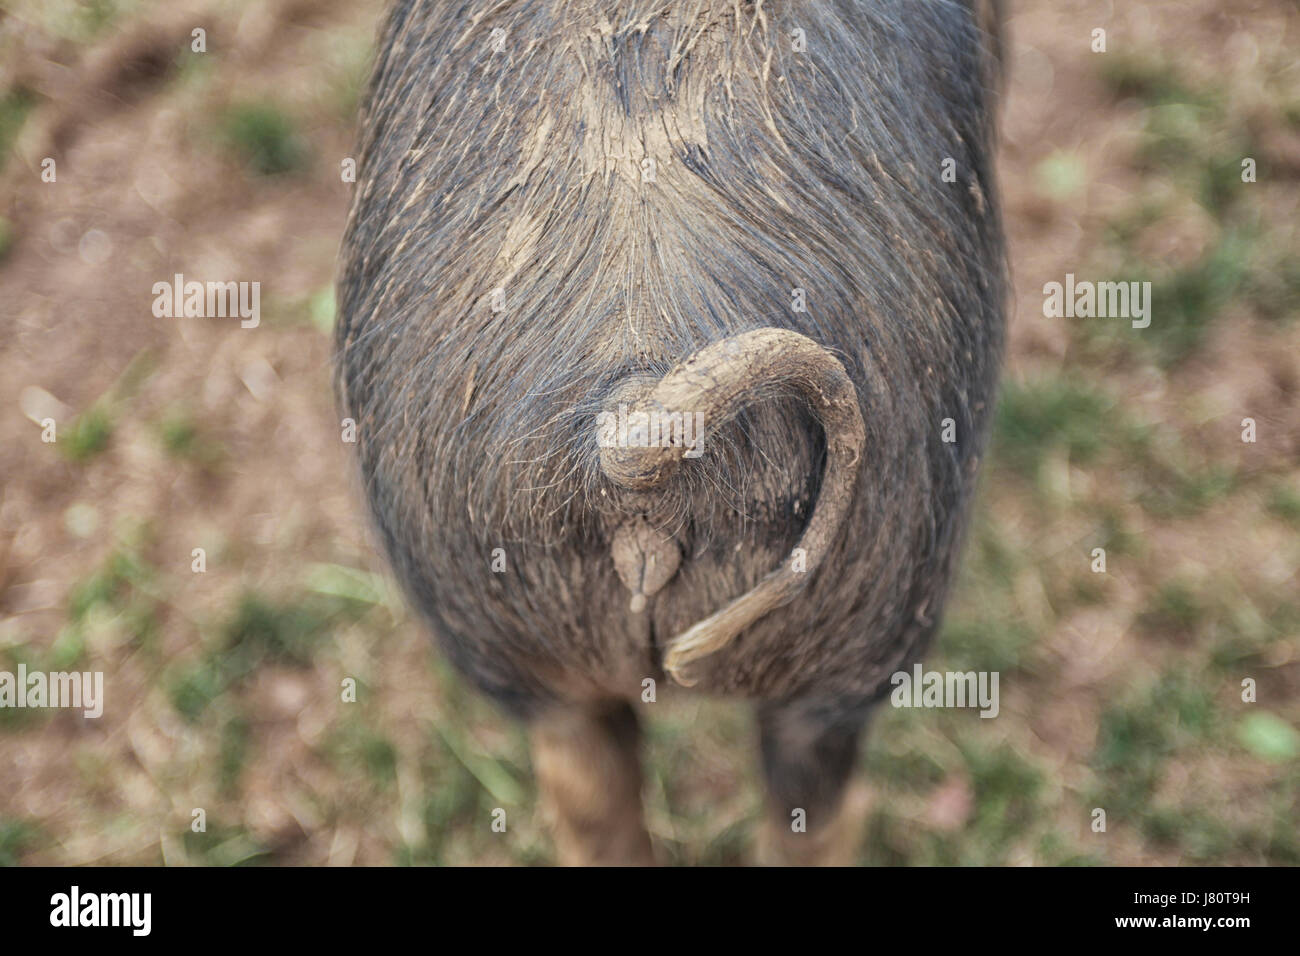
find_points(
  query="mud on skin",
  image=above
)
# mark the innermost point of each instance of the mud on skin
(516, 161)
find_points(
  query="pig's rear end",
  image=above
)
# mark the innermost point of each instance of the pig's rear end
(779, 218)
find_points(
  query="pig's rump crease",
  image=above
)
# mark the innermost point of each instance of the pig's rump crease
(715, 383)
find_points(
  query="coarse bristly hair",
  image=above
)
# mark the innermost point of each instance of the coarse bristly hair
(639, 180)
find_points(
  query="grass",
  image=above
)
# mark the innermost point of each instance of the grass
(1049, 425)
(897, 752)
(1239, 614)
(182, 439)
(1186, 302)
(120, 596)
(236, 742)
(116, 601)
(179, 435)
(279, 633)
(112, 584)
(1272, 286)
(196, 686)
(87, 435)
(1268, 737)
(1193, 139)
(451, 798)
(16, 837)
(1138, 735)
(1177, 489)
(78, 21)
(316, 311)
(224, 846)
(462, 779)
(1008, 791)
(260, 632)
(1037, 418)
(363, 753)
(977, 643)
(95, 15)
(1009, 798)
(15, 106)
(1175, 609)
(1284, 502)
(1148, 78)
(265, 138)
(90, 433)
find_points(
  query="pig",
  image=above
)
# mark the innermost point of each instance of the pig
(581, 225)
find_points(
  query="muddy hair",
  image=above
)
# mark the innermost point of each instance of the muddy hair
(641, 180)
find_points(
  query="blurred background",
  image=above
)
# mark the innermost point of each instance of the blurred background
(1120, 690)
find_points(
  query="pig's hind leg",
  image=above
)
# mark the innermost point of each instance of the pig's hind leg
(808, 750)
(589, 775)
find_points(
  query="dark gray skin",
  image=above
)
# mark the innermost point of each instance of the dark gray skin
(517, 161)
